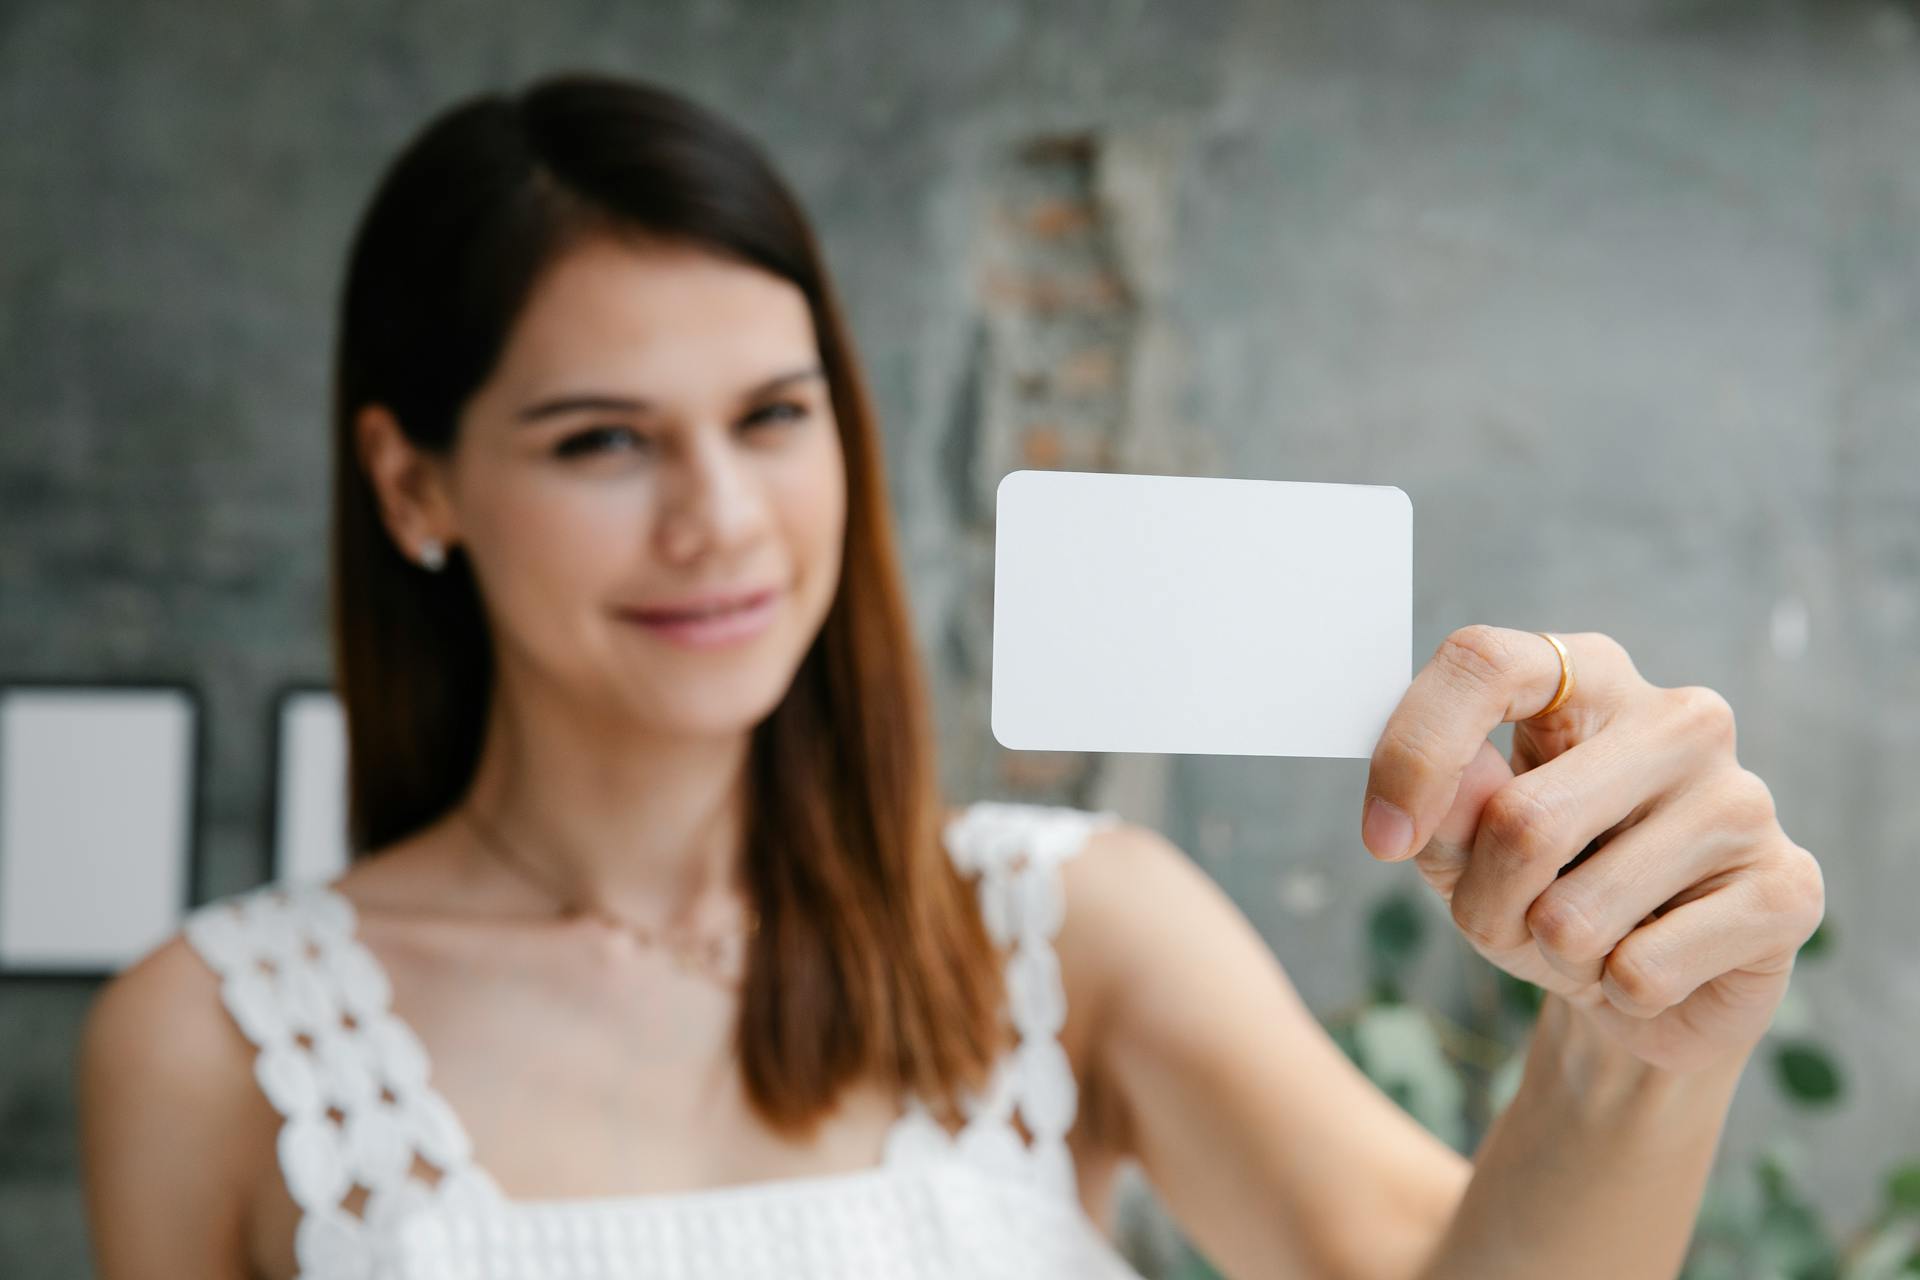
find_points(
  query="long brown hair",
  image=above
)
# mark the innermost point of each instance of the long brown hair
(871, 958)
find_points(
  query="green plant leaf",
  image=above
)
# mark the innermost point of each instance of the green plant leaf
(1791, 1017)
(1777, 1169)
(1193, 1266)
(1903, 1188)
(1401, 1053)
(1792, 1241)
(1395, 933)
(1505, 1081)
(1809, 1076)
(1881, 1255)
(1384, 990)
(1343, 1036)
(1519, 996)
(1773, 1180)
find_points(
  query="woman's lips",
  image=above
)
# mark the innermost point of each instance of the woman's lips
(729, 626)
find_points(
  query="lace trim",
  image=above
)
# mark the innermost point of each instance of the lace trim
(365, 1140)
(1016, 850)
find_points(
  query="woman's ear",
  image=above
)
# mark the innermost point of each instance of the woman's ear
(408, 482)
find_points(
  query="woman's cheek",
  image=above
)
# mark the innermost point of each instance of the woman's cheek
(820, 501)
(565, 557)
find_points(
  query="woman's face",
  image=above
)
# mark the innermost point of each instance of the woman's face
(658, 429)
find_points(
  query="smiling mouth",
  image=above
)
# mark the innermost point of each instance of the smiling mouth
(739, 605)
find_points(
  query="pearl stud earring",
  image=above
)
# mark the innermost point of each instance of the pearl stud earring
(432, 554)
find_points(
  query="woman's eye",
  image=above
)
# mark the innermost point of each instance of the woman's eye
(596, 440)
(779, 410)
(611, 437)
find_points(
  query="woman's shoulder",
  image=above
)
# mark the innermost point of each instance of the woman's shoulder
(163, 1025)
(1124, 891)
(172, 1125)
(161, 1019)
(1140, 916)
(1111, 893)
(164, 1018)
(1109, 866)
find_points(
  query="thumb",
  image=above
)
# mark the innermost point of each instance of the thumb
(1443, 858)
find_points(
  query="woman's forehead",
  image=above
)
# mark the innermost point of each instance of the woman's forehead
(663, 321)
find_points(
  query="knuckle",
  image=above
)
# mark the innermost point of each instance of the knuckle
(1477, 653)
(1813, 877)
(1563, 926)
(1815, 893)
(1476, 925)
(1638, 978)
(1613, 649)
(1795, 889)
(1522, 820)
(1704, 713)
(1749, 800)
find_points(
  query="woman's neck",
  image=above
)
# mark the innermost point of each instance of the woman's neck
(648, 827)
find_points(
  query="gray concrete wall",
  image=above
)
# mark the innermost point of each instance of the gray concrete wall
(1626, 295)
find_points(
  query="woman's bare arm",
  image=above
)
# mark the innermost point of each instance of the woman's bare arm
(169, 1123)
(1595, 1169)
(1275, 1154)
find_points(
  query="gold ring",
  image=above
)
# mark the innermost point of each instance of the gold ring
(1565, 690)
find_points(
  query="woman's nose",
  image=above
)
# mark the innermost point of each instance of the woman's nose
(713, 502)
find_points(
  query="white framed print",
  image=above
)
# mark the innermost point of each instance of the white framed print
(97, 822)
(309, 808)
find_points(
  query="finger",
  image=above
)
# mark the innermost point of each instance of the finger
(1686, 846)
(1756, 920)
(1533, 826)
(1479, 677)
(1444, 856)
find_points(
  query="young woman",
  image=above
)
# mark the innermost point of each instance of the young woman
(651, 866)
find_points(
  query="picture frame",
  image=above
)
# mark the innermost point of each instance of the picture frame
(101, 795)
(306, 835)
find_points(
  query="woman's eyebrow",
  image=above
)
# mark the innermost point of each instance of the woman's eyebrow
(604, 402)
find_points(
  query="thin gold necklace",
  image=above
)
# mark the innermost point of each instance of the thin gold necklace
(692, 952)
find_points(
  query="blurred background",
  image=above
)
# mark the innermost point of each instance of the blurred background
(1624, 293)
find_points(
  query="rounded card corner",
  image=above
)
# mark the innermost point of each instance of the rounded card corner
(993, 724)
(1000, 490)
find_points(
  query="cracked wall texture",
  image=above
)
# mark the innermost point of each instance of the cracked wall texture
(1625, 294)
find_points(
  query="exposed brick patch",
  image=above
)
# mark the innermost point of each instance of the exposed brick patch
(1058, 325)
(1073, 364)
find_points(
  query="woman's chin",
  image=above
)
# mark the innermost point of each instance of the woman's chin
(732, 708)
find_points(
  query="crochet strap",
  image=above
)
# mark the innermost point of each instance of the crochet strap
(1016, 851)
(364, 1139)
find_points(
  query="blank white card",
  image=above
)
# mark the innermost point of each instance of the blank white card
(1189, 614)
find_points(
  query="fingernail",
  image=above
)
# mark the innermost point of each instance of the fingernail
(1386, 829)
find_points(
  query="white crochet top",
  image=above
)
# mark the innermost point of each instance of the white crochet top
(352, 1083)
